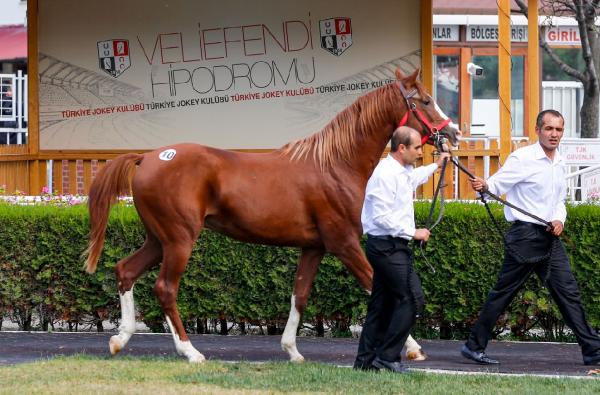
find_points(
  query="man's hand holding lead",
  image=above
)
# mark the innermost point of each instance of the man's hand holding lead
(440, 159)
(557, 228)
(422, 234)
(478, 184)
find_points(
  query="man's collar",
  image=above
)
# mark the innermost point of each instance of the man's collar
(539, 151)
(541, 154)
(397, 164)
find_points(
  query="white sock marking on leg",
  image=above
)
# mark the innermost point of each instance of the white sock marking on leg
(413, 350)
(127, 327)
(185, 348)
(288, 340)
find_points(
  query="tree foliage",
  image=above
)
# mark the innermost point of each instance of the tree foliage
(585, 13)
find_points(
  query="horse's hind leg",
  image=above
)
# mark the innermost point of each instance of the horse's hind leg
(305, 275)
(127, 271)
(414, 352)
(175, 258)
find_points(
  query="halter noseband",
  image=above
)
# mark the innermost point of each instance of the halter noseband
(432, 130)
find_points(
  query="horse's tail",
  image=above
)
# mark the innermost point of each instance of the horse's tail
(112, 181)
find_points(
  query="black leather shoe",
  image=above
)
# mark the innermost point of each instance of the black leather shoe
(479, 357)
(592, 359)
(395, 367)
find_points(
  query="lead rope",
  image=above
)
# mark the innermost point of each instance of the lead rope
(440, 185)
(520, 258)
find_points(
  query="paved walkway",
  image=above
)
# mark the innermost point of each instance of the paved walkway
(516, 358)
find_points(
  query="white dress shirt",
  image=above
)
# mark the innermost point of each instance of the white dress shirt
(532, 182)
(388, 206)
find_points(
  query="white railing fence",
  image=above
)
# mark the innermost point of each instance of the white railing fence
(584, 185)
(13, 108)
(566, 97)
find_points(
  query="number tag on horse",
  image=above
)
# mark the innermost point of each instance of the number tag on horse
(167, 154)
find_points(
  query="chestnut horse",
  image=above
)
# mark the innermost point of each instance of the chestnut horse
(307, 194)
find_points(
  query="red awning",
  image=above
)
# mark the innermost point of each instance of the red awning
(13, 42)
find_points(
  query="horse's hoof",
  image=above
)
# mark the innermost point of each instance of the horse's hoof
(198, 358)
(114, 345)
(418, 355)
(297, 359)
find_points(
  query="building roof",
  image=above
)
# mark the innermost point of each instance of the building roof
(461, 7)
(13, 42)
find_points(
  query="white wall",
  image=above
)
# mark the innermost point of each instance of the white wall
(486, 115)
(13, 12)
(566, 97)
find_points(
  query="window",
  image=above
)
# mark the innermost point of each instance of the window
(447, 81)
(571, 56)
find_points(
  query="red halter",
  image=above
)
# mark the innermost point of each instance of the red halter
(431, 129)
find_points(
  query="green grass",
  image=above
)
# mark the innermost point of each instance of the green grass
(82, 374)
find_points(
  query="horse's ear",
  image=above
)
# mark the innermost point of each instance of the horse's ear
(408, 79)
(414, 76)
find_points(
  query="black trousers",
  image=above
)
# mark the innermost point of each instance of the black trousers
(396, 299)
(528, 241)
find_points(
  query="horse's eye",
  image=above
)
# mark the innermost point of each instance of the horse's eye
(426, 102)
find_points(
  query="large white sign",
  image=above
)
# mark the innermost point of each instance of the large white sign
(580, 152)
(490, 33)
(140, 74)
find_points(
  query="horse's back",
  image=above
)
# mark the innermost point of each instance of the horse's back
(189, 164)
(256, 197)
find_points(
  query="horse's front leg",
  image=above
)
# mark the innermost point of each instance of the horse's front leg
(305, 275)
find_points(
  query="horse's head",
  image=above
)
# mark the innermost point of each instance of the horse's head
(424, 114)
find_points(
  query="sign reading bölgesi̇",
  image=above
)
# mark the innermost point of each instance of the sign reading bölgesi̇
(228, 74)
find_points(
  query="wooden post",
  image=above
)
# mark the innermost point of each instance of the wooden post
(504, 52)
(465, 92)
(33, 142)
(427, 44)
(33, 122)
(427, 77)
(533, 57)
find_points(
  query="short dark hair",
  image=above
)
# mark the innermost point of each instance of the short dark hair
(402, 135)
(539, 122)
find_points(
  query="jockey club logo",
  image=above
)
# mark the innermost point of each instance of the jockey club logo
(336, 35)
(114, 56)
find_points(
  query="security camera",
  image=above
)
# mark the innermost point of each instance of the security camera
(474, 70)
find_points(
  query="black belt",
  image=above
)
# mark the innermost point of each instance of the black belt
(389, 238)
(529, 224)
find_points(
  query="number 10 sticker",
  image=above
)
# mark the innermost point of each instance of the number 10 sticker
(167, 154)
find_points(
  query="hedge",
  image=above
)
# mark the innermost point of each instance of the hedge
(42, 280)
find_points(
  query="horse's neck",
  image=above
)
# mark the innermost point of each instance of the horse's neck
(370, 148)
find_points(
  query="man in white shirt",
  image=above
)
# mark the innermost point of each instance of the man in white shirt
(533, 179)
(388, 221)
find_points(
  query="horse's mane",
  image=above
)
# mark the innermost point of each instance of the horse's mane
(340, 139)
